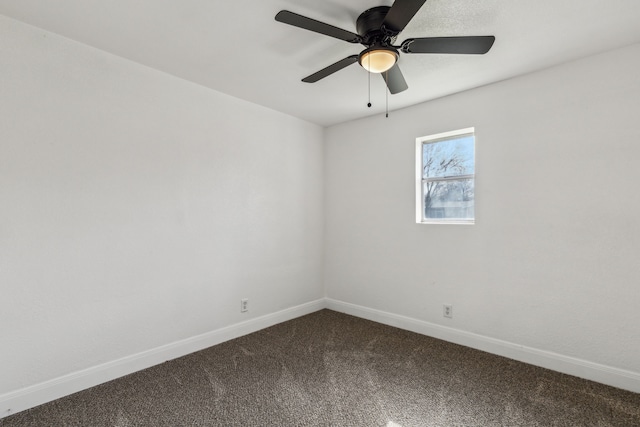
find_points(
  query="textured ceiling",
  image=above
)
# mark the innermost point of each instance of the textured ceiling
(237, 47)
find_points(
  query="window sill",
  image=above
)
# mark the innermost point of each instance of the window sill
(447, 222)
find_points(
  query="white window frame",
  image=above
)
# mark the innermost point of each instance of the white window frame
(420, 180)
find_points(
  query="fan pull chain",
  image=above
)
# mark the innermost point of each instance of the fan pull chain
(369, 73)
(386, 96)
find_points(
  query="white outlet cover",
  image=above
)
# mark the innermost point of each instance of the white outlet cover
(447, 310)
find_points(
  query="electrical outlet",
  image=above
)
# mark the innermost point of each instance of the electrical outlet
(447, 310)
(244, 305)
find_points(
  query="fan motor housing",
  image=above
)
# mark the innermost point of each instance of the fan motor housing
(369, 26)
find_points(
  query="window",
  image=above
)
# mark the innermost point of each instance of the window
(445, 175)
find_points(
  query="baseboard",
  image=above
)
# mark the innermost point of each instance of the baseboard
(38, 394)
(608, 375)
(47, 391)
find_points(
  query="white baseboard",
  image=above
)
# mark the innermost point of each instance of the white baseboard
(47, 391)
(615, 377)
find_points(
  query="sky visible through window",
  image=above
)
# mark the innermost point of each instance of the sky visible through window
(448, 157)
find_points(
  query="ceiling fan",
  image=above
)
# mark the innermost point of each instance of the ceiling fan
(378, 29)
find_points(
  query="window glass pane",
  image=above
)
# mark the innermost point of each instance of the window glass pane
(449, 199)
(450, 157)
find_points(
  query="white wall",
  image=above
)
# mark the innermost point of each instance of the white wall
(137, 209)
(552, 261)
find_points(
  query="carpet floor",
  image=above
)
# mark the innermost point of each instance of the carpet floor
(331, 369)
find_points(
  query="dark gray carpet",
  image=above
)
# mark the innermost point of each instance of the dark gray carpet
(331, 369)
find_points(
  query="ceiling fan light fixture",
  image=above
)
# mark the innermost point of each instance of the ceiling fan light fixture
(378, 59)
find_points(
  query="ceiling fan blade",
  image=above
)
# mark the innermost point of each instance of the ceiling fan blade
(465, 45)
(331, 69)
(395, 80)
(316, 26)
(400, 14)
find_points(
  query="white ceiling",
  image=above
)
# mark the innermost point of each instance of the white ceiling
(237, 47)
